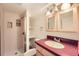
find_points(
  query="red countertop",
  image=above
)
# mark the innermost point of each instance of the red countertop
(68, 50)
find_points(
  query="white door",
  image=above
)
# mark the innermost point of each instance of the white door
(20, 34)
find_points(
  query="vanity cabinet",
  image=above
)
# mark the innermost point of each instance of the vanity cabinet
(43, 52)
(65, 20)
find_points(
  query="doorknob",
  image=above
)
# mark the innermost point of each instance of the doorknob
(23, 33)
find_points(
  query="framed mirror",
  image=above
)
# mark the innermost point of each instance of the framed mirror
(67, 20)
(51, 24)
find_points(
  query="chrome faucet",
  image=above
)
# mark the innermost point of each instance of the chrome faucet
(57, 39)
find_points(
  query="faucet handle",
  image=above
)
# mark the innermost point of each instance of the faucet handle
(57, 39)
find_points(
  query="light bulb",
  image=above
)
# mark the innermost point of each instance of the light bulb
(48, 13)
(65, 6)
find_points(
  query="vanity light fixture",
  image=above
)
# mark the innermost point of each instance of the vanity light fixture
(52, 9)
(56, 9)
(65, 6)
(49, 12)
(57, 6)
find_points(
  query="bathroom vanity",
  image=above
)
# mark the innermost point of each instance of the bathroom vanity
(67, 47)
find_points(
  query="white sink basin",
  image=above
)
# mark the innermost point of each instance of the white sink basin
(54, 44)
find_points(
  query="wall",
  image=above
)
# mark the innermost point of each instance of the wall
(39, 27)
(39, 21)
(10, 34)
(2, 31)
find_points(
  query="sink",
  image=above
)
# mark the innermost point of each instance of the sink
(54, 44)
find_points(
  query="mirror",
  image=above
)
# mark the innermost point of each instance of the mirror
(51, 23)
(67, 21)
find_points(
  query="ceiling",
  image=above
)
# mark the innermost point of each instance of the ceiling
(34, 8)
(13, 7)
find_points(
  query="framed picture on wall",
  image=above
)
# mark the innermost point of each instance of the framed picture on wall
(9, 25)
(18, 22)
